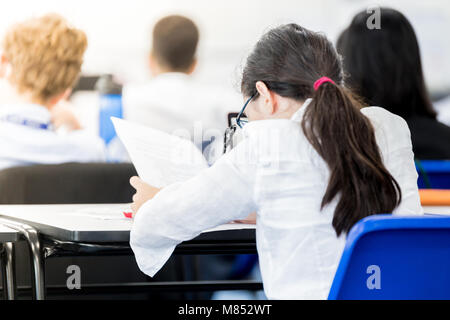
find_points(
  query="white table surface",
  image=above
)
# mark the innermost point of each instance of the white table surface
(441, 210)
(8, 234)
(83, 217)
(92, 217)
(106, 217)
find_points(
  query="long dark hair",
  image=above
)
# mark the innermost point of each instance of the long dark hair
(384, 65)
(289, 59)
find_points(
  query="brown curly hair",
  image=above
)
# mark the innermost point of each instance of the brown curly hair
(46, 55)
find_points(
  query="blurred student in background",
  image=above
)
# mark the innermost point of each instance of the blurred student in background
(40, 61)
(173, 101)
(385, 69)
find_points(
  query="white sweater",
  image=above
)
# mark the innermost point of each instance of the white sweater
(276, 172)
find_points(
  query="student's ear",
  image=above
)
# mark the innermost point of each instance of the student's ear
(192, 67)
(269, 102)
(151, 62)
(153, 65)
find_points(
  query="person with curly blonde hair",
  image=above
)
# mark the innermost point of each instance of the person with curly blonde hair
(41, 60)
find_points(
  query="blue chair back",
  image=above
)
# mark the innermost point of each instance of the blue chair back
(393, 257)
(433, 174)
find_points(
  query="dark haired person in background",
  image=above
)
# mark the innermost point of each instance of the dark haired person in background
(311, 166)
(385, 69)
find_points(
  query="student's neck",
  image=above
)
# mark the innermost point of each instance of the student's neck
(289, 107)
(161, 72)
(14, 97)
(158, 69)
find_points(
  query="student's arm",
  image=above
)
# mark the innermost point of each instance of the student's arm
(394, 139)
(251, 219)
(400, 163)
(182, 211)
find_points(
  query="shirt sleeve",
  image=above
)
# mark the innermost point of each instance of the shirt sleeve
(394, 140)
(181, 211)
(402, 167)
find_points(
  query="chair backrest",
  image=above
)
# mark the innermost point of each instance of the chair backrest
(395, 257)
(67, 183)
(433, 174)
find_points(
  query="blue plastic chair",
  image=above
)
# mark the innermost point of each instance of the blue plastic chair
(392, 257)
(434, 174)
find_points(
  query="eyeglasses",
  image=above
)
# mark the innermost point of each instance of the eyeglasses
(240, 122)
(229, 132)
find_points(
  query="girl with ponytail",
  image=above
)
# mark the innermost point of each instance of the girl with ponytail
(314, 162)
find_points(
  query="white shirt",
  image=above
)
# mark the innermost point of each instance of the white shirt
(175, 103)
(276, 172)
(442, 107)
(24, 143)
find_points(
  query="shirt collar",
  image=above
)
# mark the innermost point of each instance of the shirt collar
(180, 76)
(33, 112)
(294, 120)
(298, 115)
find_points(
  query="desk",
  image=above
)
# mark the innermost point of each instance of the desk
(7, 237)
(102, 229)
(8, 234)
(441, 210)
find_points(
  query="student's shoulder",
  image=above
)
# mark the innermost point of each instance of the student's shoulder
(391, 131)
(134, 88)
(381, 117)
(375, 112)
(87, 145)
(136, 94)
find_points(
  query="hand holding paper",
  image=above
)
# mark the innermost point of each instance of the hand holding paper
(144, 192)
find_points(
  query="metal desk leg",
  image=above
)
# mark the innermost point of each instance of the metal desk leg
(9, 274)
(37, 259)
(3, 268)
(37, 264)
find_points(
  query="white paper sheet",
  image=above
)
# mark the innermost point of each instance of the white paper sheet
(160, 158)
(113, 212)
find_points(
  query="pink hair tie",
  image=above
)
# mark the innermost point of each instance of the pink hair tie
(321, 81)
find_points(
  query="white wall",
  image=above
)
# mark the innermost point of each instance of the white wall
(119, 30)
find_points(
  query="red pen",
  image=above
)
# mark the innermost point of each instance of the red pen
(128, 214)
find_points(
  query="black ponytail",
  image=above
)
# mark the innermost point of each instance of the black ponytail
(289, 59)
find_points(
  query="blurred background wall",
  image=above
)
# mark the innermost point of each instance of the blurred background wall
(119, 31)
